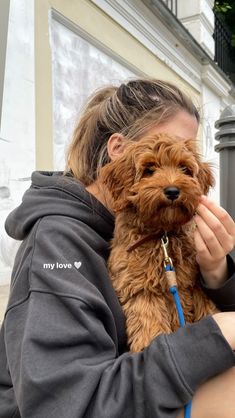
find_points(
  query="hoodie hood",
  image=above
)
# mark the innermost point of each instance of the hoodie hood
(52, 193)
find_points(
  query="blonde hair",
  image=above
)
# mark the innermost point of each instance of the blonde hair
(130, 110)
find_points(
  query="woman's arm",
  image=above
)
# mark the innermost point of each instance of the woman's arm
(8, 405)
(61, 343)
(63, 362)
(224, 295)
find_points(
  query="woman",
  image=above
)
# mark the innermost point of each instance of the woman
(63, 349)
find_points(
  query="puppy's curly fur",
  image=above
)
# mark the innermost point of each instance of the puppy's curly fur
(142, 184)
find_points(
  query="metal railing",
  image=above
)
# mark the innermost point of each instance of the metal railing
(222, 38)
(224, 53)
(172, 5)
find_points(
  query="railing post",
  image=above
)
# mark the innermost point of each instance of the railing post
(226, 148)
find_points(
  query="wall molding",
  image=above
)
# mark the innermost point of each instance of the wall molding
(63, 20)
(141, 23)
(215, 81)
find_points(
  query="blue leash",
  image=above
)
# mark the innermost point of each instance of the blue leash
(171, 278)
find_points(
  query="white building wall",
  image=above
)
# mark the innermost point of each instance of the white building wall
(18, 120)
(17, 149)
(78, 69)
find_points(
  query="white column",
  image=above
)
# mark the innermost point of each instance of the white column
(198, 18)
(17, 144)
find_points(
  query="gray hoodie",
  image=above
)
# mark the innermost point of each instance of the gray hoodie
(63, 350)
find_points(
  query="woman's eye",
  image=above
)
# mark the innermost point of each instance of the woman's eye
(186, 170)
(148, 171)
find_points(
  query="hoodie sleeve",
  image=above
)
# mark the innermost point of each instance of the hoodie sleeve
(62, 356)
(8, 405)
(224, 296)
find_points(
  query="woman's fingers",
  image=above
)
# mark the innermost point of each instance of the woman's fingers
(221, 216)
(201, 247)
(215, 237)
(216, 227)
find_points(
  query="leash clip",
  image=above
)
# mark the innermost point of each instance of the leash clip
(164, 244)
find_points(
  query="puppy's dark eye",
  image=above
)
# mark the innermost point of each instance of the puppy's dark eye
(148, 171)
(186, 170)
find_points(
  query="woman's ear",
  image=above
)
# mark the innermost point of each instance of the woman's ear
(116, 145)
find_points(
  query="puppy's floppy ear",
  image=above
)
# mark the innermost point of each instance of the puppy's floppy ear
(205, 177)
(205, 174)
(119, 176)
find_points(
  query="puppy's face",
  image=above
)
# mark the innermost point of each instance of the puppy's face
(160, 178)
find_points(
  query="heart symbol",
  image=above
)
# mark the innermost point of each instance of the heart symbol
(77, 264)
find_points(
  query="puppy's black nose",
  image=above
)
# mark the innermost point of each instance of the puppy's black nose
(172, 192)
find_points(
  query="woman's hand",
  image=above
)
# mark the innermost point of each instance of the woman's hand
(214, 239)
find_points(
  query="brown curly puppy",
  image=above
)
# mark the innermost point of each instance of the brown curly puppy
(155, 187)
